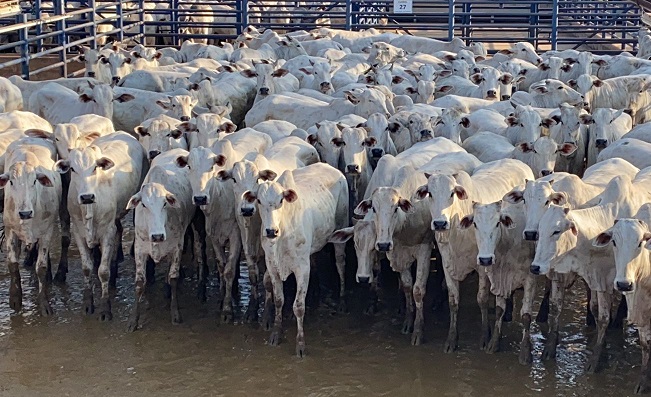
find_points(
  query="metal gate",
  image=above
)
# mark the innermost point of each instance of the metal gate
(54, 31)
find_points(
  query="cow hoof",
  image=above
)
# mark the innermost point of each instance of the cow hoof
(525, 357)
(549, 353)
(592, 366)
(176, 317)
(485, 339)
(417, 338)
(44, 307)
(493, 345)
(227, 317)
(407, 327)
(274, 338)
(132, 325)
(642, 386)
(267, 320)
(105, 310)
(300, 350)
(88, 306)
(251, 314)
(450, 346)
(16, 301)
(342, 308)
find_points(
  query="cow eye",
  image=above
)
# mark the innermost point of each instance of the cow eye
(395, 209)
(451, 194)
(72, 169)
(556, 232)
(56, 139)
(475, 225)
(560, 88)
(11, 183)
(546, 203)
(234, 181)
(373, 209)
(640, 245)
(615, 244)
(258, 200)
(143, 205)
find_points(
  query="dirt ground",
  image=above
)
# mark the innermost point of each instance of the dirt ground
(35, 64)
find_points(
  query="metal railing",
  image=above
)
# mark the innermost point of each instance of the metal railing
(53, 29)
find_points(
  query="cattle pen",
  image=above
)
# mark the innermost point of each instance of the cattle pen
(463, 185)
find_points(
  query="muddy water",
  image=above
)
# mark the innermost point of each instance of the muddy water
(70, 354)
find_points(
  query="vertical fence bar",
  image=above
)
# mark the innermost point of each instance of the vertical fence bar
(93, 27)
(554, 38)
(38, 29)
(450, 19)
(245, 14)
(349, 16)
(141, 19)
(120, 21)
(23, 35)
(60, 26)
(174, 5)
(354, 15)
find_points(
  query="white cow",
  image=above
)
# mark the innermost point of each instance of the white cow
(159, 135)
(548, 93)
(299, 212)
(632, 150)
(379, 140)
(458, 126)
(10, 96)
(271, 79)
(27, 88)
(606, 126)
(19, 119)
(163, 212)
(104, 177)
(32, 193)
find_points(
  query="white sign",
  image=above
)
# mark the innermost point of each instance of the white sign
(403, 6)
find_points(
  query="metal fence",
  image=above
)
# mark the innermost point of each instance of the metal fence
(55, 28)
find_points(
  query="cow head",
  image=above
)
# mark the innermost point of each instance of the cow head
(487, 221)
(90, 168)
(364, 236)
(151, 204)
(557, 234)
(23, 184)
(202, 164)
(272, 198)
(246, 177)
(179, 106)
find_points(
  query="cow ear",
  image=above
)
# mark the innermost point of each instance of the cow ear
(507, 78)
(228, 127)
(338, 142)
(290, 195)
(514, 196)
(465, 122)
(363, 207)
(172, 201)
(164, 105)
(586, 119)
(342, 235)
(124, 98)
(548, 122)
(541, 89)
(370, 141)
(444, 88)
(351, 97)
(248, 73)
(36, 133)
(220, 160)
(62, 166)
(224, 175)
(597, 83)
(543, 66)
(421, 193)
(406, 206)
(512, 121)
(566, 149)
(444, 73)
(267, 175)
(476, 78)
(44, 179)
(603, 239)
(222, 110)
(280, 72)
(185, 126)
(142, 131)
(506, 52)
(397, 80)
(460, 192)
(85, 98)
(507, 221)
(249, 197)
(573, 228)
(312, 139)
(558, 198)
(181, 161)
(90, 137)
(411, 90)
(134, 201)
(175, 133)
(305, 71)
(526, 147)
(4, 178)
(572, 83)
(466, 222)
(566, 210)
(105, 163)
(628, 111)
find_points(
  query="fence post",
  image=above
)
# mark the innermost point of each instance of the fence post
(450, 19)
(24, 46)
(120, 21)
(174, 4)
(533, 22)
(60, 26)
(141, 19)
(245, 14)
(554, 37)
(38, 28)
(354, 15)
(349, 16)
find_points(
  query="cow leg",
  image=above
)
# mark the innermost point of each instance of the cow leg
(15, 287)
(279, 301)
(483, 293)
(603, 316)
(173, 279)
(453, 302)
(508, 313)
(591, 309)
(200, 257)
(620, 316)
(372, 306)
(556, 307)
(267, 315)
(64, 220)
(251, 314)
(526, 357)
(302, 283)
(340, 259)
(543, 312)
(119, 255)
(406, 282)
(420, 288)
(42, 272)
(87, 266)
(220, 255)
(500, 311)
(104, 273)
(645, 375)
(234, 251)
(141, 283)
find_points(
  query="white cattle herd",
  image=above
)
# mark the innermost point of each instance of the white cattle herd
(519, 167)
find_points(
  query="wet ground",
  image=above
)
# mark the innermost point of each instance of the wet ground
(350, 354)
